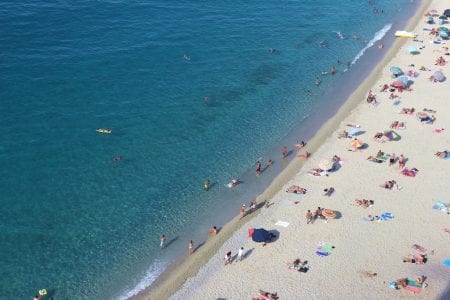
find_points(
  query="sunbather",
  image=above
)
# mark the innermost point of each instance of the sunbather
(384, 88)
(296, 264)
(380, 154)
(343, 134)
(295, 189)
(394, 124)
(268, 295)
(378, 137)
(371, 158)
(388, 184)
(410, 172)
(364, 203)
(408, 111)
(317, 172)
(393, 96)
(418, 259)
(329, 192)
(442, 154)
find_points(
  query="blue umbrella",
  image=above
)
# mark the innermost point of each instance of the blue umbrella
(413, 50)
(396, 71)
(404, 80)
(261, 235)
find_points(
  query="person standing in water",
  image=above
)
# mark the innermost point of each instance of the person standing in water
(258, 168)
(207, 185)
(206, 100)
(162, 244)
(284, 152)
(191, 247)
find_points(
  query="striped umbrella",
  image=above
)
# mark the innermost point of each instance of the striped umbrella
(328, 213)
(391, 135)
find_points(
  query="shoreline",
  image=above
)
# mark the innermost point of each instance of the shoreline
(179, 271)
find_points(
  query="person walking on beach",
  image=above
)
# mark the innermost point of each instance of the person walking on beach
(240, 253)
(252, 205)
(309, 217)
(227, 258)
(162, 244)
(284, 152)
(258, 168)
(191, 247)
(242, 211)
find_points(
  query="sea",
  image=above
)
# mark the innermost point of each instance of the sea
(81, 212)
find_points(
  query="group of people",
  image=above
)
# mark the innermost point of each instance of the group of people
(310, 217)
(228, 256)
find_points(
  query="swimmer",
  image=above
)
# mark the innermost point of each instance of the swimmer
(186, 57)
(381, 46)
(207, 184)
(117, 158)
(206, 100)
(355, 37)
(272, 50)
(324, 73)
(317, 81)
(323, 43)
(333, 70)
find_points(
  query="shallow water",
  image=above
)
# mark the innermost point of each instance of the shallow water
(83, 226)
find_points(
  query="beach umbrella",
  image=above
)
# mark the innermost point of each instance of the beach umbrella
(328, 213)
(396, 71)
(442, 17)
(447, 13)
(391, 135)
(439, 76)
(446, 262)
(325, 164)
(413, 50)
(356, 143)
(444, 29)
(443, 34)
(261, 235)
(402, 81)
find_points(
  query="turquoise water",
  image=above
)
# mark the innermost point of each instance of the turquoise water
(85, 227)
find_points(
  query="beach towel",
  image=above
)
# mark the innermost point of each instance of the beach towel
(412, 287)
(282, 223)
(324, 249)
(441, 206)
(367, 218)
(448, 156)
(386, 216)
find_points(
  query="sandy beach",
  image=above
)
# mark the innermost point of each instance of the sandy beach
(361, 247)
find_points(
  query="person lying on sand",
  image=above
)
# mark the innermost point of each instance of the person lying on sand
(335, 158)
(268, 295)
(442, 154)
(353, 125)
(397, 125)
(408, 111)
(371, 158)
(343, 134)
(329, 192)
(378, 137)
(384, 88)
(369, 274)
(423, 68)
(418, 259)
(296, 264)
(388, 184)
(364, 203)
(295, 189)
(393, 96)
(317, 172)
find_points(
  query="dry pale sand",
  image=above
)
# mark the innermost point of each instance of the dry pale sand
(359, 245)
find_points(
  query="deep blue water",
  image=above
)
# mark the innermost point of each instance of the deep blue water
(85, 227)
